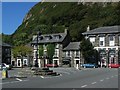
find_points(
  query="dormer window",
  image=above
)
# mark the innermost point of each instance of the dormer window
(57, 37)
(41, 38)
(48, 37)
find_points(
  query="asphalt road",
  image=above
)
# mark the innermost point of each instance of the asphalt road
(69, 78)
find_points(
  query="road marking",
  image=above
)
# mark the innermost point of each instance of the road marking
(94, 83)
(42, 77)
(112, 76)
(83, 86)
(19, 79)
(102, 80)
(13, 82)
(107, 78)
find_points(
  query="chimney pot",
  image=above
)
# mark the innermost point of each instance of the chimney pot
(66, 30)
(88, 28)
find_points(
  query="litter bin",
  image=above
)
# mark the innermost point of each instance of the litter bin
(4, 73)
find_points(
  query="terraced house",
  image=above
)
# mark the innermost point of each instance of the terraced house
(62, 45)
(6, 53)
(107, 41)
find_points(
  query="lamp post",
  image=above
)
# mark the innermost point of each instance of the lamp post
(36, 61)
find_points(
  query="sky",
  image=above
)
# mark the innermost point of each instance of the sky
(13, 14)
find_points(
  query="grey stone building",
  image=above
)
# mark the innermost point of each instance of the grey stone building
(5, 50)
(60, 40)
(107, 41)
(62, 48)
(71, 54)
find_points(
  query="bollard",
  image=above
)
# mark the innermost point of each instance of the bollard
(4, 73)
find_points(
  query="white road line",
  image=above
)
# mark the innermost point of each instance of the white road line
(94, 83)
(19, 79)
(83, 86)
(112, 76)
(13, 82)
(102, 80)
(42, 77)
(107, 78)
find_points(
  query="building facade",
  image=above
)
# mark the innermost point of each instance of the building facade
(71, 55)
(6, 53)
(61, 42)
(107, 41)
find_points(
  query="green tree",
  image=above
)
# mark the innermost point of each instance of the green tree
(50, 51)
(88, 52)
(21, 51)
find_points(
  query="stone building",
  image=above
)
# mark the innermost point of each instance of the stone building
(5, 50)
(60, 40)
(71, 54)
(62, 45)
(107, 41)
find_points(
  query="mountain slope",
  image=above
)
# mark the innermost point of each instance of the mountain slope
(55, 17)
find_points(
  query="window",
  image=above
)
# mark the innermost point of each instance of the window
(111, 40)
(57, 37)
(102, 41)
(92, 40)
(57, 45)
(48, 37)
(68, 53)
(77, 53)
(56, 53)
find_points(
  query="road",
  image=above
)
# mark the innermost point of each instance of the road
(69, 78)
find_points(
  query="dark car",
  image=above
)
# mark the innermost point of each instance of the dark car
(89, 65)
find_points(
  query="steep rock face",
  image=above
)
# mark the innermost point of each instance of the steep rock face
(52, 17)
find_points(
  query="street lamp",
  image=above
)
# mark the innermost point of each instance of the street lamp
(36, 61)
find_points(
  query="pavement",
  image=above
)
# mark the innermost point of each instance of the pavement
(68, 78)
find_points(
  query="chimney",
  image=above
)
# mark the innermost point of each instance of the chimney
(88, 28)
(66, 30)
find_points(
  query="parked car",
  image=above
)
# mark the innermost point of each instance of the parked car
(51, 65)
(114, 65)
(8, 66)
(2, 66)
(89, 65)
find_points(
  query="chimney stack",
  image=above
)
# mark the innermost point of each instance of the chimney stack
(66, 30)
(88, 28)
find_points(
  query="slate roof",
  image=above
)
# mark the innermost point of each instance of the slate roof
(5, 45)
(104, 30)
(53, 39)
(73, 46)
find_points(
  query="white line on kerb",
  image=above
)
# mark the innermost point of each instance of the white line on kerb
(13, 82)
(112, 76)
(83, 86)
(42, 77)
(18, 79)
(101, 80)
(94, 83)
(107, 78)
